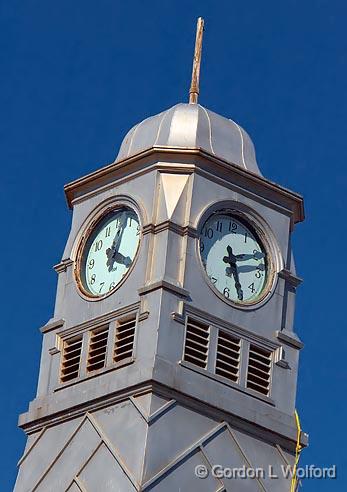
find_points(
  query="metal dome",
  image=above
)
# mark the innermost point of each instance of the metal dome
(192, 126)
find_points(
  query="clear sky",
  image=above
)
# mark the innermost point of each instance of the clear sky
(76, 75)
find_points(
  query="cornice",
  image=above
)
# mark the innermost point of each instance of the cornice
(285, 439)
(192, 159)
(165, 285)
(290, 277)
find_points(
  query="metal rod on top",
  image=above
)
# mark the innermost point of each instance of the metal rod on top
(194, 87)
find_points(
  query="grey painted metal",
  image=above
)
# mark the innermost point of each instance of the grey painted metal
(146, 424)
(192, 125)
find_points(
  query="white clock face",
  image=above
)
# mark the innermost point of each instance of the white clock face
(234, 258)
(109, 251)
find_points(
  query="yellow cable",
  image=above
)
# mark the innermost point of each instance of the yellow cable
(293, 487)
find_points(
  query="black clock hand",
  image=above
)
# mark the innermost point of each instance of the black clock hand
(231, 259)
(112, 253)
(257, 255)
(119, 258)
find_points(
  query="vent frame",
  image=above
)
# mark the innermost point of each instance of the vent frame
(124, 340)
(259, 369)
(98, 342)
(197, 339)
(228, 356)
(237, 374)
(85, 337)
(66, 374)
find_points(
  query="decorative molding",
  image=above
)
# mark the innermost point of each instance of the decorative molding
(63, 265)
(188, 451)
(226, 382)
(282, 363)
(165, 285)
(155, 415)
(287, 439)
(80, 188)
(111, 448)
(52, 325)
(144, 315)
(220, 323)
(54, 351)
(95, 322)
(168, 225)
(289, 277)
(244, 456)
(98, 372)
(180, 318)
(289, 338)
(31, 447)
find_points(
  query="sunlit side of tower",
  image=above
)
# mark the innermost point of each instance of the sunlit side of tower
(172, 346)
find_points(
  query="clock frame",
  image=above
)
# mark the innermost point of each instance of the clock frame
(91, 226)
(265, 237)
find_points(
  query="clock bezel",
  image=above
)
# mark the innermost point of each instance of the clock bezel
(264, 235)
(89, 227)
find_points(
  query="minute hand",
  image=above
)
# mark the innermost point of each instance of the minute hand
(231, 259)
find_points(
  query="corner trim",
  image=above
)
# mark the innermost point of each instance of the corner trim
(52, 325)
(165, 285)
(289, 277)
(290, 338)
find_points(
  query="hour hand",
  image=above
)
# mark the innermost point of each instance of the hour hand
(115, 256)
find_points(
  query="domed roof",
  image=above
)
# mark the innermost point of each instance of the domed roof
(192, 126)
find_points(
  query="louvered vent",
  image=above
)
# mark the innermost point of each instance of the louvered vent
(228, 356)
(196, 345)
(259, 369)
(71, 360)
(97, 349)
(125, 336)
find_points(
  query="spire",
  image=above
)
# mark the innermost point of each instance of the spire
(194, 87)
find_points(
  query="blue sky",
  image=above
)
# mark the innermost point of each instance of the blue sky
(75, 76)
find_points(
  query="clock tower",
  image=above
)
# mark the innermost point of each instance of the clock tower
(171, 361)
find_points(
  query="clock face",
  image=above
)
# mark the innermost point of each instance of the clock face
(109, 251)
(234, 258)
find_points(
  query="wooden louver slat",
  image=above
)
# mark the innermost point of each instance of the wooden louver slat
(228, 356)
(259, 369)
(97, 349)
(196, 343)
(71, 359)
(125, 337)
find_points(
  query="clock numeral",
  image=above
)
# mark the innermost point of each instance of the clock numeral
(219, 226)
(91, 264)
(98, 245)
(138, 229)
(202, 246)
(246, 236)
(258, 273)
(214, 280)
(112, 286)
(209, 233)
(252, 288)
(92, 279)
(232, 227)
(101, 286)
(108, 231)
(226, 292)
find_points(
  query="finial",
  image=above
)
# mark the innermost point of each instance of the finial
(194, 87)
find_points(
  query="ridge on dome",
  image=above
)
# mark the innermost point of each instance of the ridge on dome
(192, 126)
